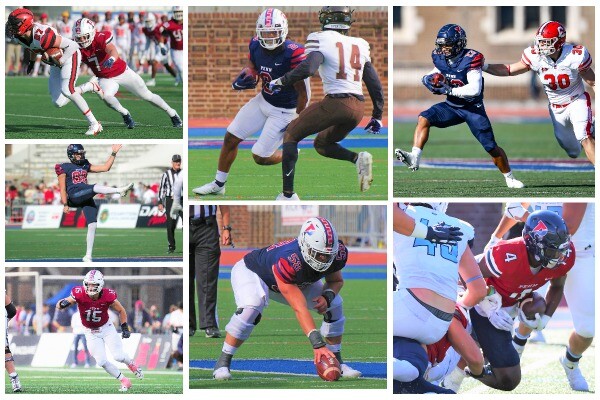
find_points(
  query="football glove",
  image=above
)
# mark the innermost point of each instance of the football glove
(108, 63)
(244, 81)
(163, 50)
(443, 89)
(443, 234)
(501, 320)
(64, 303)
(276, 85)
(490, 304)
(30, 66)
(126, 333)
(374, 126)
(538, 324)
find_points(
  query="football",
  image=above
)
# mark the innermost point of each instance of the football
(52, 56)
(329, 369)
(437, 79)
(533, 305)
(251, 71)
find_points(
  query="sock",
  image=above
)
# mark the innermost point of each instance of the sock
(224, 360)
(105, 189)
(416, 152)
(508, 175)
(115, 104)
(112, 370)
(91, 234)
(131, 365)
(574, 358)
(14, 375)
(88, 114)
(221, 177)
(338, 152)
(520, 339)
(229, 349)
(290, 157)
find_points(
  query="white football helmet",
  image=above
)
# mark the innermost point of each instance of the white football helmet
(84, 31)
(93, 282)
(271, 28)
(150, 21)
(318, 242)
(177, 13)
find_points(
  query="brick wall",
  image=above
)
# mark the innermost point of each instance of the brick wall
(218, 48)
(252, 226)
(483, 216)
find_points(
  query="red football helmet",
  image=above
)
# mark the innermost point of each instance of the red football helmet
(550, 38)
(19, 22)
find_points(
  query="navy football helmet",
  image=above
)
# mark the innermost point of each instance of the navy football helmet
(453, 36)
(547, 238)
(337, 18)
(76, 149)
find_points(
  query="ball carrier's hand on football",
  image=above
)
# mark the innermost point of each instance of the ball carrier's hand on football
(247, 79)
(439, 87)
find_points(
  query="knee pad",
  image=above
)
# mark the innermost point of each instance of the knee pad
(332, 328)
(242, 323)
(404, 371)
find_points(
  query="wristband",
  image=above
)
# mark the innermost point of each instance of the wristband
(329, 296)
(124, 326)
(316, 340)
(114, 154)
(420, 230)
(227, 228)
(64, 303)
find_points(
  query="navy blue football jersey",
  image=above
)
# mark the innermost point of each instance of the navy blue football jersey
(76, 174)
(285, 260)
(274, 64)
(456, 73)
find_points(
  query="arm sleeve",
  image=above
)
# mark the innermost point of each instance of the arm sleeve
(375, 89)
(59, 169)
(306, 68)
(11, 310)
(471, 89)
(48, 39)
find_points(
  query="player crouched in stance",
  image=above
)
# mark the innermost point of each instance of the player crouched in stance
(516, 268)
(93, 301)
(270, 56)
(462, 83)
(9, 361)
(343, 63)
(100, 54)
(40, 38)
(290, 272)
(562, 69)
(76, 192)
(425, 302)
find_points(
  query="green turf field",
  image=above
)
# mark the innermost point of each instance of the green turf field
(30, 113)
(93, 381)
(317, 177)
(66, 243)
(278, 336)
(529, 142)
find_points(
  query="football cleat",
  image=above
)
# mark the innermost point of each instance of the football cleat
(407, 158)
(364, 168)
(209, 188)
(129, 122)
(222, 374)
(349, 372)
(136, 370)
(94, 129)
(282, 197)
(125, 189)
(176, 121)
(151, 83)
(125, 384)
(16, 384)
(454, 379)
(514, 183)
(574, 375)
(86, 259)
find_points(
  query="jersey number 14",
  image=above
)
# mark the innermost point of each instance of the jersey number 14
(354, 62)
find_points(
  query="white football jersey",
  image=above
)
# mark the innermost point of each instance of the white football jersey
(422, 264)
(65, 28)
(45, 34)
(561, 79)
(345, 58)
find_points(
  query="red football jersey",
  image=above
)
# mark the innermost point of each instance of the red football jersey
(436, 352)
(94, 313)
(95, 54)
(512, 275)
(155, 34)
(174, 31)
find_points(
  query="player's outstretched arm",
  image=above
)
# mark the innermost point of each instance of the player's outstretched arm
(300, 88)
(589, 77)
(305, 69)
(573, 214)
(109, 163)
(64, 303)
(517, 68)
(471, 274)
(297, 302)
(373, 84)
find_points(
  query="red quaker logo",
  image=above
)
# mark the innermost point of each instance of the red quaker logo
(156, 220)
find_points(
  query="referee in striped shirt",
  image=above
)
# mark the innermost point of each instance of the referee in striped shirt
(205, 252)
(165, 199)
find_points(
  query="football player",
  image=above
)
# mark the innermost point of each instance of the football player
(291, 272)
(21, 29)
(516, 268)
(93, 302)
(271, 55)
(343, 62)
(156, 49)
(9, 361)
(562, 68)
(173, 29)
(76, 192)
(122, 37)
(463, 88)
(579, 287)
(426, 298)
(101, 55)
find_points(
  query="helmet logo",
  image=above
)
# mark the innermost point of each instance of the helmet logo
(541, 228)
(310, 229)
(328, 232)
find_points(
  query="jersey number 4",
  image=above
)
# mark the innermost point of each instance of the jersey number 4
(354, 62)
